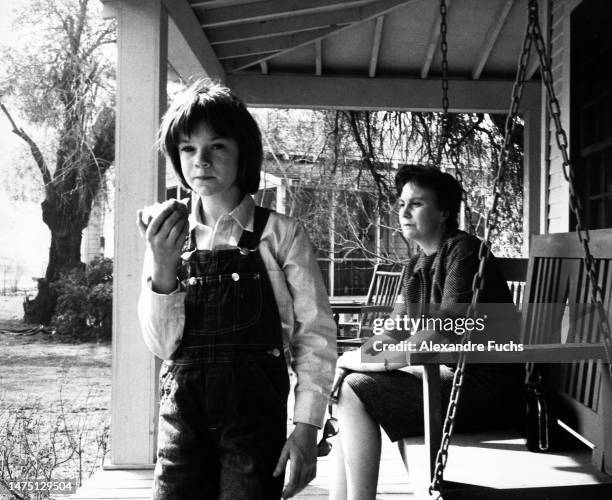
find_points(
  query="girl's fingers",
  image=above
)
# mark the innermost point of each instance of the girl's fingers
(159, 221)
(179, 232)
(142, 229)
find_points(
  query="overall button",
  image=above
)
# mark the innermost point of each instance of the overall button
(244, 251)
(275, 352)
(192, 281)
(235, 276)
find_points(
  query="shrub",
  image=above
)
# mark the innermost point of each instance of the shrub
(84, 301)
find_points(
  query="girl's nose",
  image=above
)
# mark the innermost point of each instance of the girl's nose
(204, 159)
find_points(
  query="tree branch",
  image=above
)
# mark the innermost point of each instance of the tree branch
(34, 149)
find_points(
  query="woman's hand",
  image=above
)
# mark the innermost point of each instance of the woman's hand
(165, 234)
(301, 450)
(359, 362)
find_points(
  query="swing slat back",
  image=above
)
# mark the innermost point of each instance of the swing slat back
(556, 333)
(556, 282)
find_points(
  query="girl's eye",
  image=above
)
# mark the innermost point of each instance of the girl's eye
(217, 146)
(186, 149)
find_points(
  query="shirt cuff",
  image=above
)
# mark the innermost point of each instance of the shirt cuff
(173, 292)
(310, 408)
(162, 305)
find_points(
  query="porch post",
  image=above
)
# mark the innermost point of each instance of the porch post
(532, 158)
(141, 97)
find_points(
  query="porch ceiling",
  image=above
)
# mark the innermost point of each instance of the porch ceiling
(371, 54)
(374, 38)
(351, 53)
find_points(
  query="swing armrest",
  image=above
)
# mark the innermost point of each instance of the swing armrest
(537, 353)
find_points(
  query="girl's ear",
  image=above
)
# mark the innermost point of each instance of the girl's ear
(444, 217)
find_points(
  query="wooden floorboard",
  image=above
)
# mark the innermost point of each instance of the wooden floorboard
(500, 464)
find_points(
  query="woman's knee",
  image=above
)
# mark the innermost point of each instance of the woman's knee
(348, 397)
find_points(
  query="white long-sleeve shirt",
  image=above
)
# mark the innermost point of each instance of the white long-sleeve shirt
(309, 331)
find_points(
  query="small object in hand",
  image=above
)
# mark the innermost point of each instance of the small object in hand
(151, 211)
(330, 429)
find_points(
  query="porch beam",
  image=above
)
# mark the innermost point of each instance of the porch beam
(370, 12)
(267, 10)
(191, 44)
(306, 22)
(141, 84)
(378, 29)
(330, 92)
(267, 45)
(318, 58)
(491, 38)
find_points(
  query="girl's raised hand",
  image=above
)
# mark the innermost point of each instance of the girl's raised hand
(164, 226)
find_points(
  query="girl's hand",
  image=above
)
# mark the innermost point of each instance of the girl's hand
(301, 450)
(165, 233)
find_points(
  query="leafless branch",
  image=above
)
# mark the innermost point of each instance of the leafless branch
(34, 149)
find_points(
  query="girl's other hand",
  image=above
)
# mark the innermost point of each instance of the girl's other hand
(300, 451)
(164, 227)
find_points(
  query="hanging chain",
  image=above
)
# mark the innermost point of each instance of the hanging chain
(446, 135)
(568, 172)
(483, 254)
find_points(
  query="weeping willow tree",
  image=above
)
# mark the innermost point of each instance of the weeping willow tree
(345, 163)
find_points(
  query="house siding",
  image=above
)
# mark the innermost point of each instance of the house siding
(557, 189)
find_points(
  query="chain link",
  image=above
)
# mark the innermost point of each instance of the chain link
(445, 136)
(533, 35)
(483, 253)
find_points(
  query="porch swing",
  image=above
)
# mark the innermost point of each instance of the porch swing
(562, 270)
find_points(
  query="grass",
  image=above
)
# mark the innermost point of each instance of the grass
(54, 402)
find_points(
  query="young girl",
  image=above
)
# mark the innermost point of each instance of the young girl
(224, 308)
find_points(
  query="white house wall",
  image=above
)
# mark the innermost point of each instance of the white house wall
(557, 191)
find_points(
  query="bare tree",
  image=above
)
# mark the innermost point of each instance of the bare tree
(61, 79)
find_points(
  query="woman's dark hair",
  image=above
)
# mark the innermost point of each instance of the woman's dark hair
(213, 104)
(445, 187)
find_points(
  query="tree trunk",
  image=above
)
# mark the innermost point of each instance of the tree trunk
(64, 255)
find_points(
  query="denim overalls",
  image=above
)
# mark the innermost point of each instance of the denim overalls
(223, 395)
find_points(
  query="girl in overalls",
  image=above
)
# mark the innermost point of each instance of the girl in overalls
(231, 291)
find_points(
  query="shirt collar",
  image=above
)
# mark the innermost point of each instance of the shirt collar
(243, 214)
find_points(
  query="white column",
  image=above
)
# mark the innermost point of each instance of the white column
(141, 98)
(532, 165)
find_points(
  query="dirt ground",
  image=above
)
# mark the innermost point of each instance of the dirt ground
(53, 392)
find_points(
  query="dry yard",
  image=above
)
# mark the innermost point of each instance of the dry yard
(54, 403)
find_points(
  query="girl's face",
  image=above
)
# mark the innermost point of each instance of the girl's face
(420, 218)
(209, 162)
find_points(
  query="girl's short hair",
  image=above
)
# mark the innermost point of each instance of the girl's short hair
(212, 103)
(446, 188)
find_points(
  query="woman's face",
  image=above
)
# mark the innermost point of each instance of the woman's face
(420, 218)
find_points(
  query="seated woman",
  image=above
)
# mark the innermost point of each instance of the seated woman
(389, 395)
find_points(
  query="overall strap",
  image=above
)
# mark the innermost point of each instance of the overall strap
(250, 239)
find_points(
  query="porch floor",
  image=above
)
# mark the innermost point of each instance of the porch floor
(502, 464)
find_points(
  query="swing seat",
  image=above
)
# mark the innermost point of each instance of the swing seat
(576, 370)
